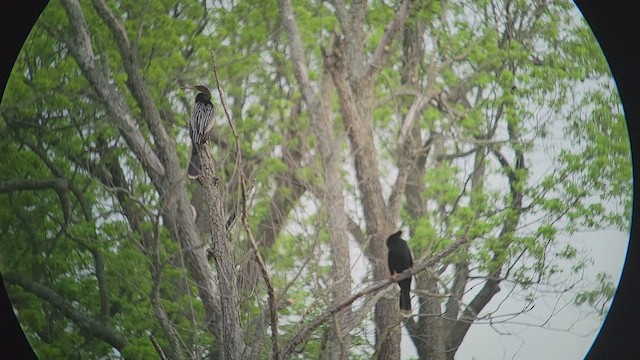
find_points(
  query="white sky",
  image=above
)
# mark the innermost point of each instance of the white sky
(608, 250)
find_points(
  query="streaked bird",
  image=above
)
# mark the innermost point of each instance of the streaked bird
(200, 126)
(399, 260)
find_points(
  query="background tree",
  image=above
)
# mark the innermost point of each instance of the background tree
(352, 120)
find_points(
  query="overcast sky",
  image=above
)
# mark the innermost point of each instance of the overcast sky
(483, 342)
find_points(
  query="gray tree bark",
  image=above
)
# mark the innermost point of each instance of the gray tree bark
(353, 80)
(321, 123)
(160, 163)
(232, 342)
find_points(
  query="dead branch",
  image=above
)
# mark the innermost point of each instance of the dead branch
(79, 43)
(75, 313)
(258, 258)
(373, 288)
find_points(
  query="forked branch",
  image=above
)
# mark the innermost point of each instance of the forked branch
(302, 335)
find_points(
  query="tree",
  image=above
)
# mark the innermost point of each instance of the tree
(338, 123)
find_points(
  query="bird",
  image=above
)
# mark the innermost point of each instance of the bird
(400, 259)
(200, 125)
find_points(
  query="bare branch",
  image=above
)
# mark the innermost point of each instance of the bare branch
(491, 286)
(157, 347)
(297, 53)
(33, 185)
(165, 322)
(359, 314)
(302, 335)
(343, 16)
(78, 315)
(384, 47)
(356, 231)
(404, 154)
(61, 186)
(331, 192)
(258, 258)
(137, 85)
(84, 205)
(79, 43)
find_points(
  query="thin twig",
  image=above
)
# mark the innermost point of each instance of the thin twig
(243, 185)
(157, 347)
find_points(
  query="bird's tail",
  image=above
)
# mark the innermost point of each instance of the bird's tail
(405, 296)
(194, 163)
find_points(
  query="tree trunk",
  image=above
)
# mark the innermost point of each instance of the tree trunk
(426, 333)
(338, 232)
(321, 123)
(379, 224)
(232, 341)
(164, 170)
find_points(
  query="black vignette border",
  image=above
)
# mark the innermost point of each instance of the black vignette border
(616, 25)
(16, 20)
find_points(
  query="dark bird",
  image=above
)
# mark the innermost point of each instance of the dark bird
(200, 126)
(400, 259)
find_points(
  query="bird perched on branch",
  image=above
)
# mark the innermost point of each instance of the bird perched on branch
(200, 126)
(400, 259)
